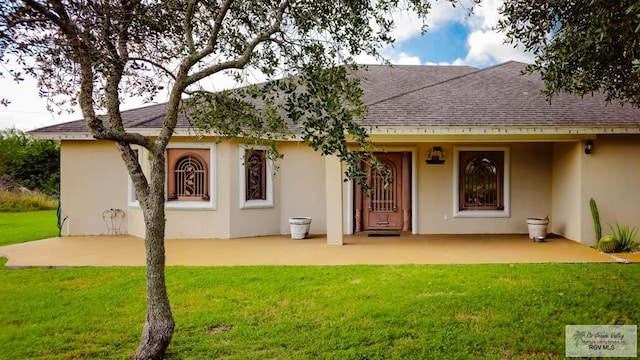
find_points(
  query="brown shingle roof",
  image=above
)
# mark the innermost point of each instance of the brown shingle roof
(497, 96)
(406, 95)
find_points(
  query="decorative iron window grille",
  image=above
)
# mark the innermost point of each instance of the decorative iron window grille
(482, 178)
(190, 176)
(255, 175)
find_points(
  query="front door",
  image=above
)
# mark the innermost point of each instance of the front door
(385, 205)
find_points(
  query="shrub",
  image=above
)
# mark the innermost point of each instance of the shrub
(29, 162)
(15, 201)
(625, 237)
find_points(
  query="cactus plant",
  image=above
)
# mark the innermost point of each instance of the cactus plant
(608, 244)
(596, 219)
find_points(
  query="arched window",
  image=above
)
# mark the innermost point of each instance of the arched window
(188, 175)
(481, 180)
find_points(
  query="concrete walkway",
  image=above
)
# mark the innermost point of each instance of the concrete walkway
(282, 250)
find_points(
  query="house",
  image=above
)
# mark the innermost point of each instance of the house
(471, 151)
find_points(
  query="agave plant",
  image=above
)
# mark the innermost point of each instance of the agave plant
(626, 238)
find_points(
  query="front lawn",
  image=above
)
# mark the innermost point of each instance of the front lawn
(294, 312)
(20, 227)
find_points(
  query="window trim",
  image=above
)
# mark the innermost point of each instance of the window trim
(254, 204)
(506, 188)
(212, 166)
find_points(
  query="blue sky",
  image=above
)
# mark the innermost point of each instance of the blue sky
(442, 45)
(454, 37)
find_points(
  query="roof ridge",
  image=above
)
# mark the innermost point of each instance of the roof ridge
(440, 82)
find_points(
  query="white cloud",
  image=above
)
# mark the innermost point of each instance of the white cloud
(486, 14)
(486, 46)
(404, 59)
(409, 25)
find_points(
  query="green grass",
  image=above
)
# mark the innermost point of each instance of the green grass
(26, 226)
(11, 201)
(329, 312)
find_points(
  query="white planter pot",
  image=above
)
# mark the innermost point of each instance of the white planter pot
(299, 227)
(537, 228)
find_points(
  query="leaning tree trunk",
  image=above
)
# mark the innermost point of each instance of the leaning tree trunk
(159, 323)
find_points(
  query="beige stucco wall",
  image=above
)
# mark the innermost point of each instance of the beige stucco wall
(301, 178)
(611, 176)
(200, 222)
(555, 179)
(566, 191)
(247, 221)
(298, 190)
(227, 219)
(530, 191)
(93, 179)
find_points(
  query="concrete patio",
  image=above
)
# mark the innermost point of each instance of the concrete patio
(281, 250)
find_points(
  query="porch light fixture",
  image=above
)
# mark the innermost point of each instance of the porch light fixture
(588, 147)
(436, 155)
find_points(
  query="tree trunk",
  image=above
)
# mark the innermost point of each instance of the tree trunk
(159, 323)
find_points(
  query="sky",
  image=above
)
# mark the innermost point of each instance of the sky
(454, 37)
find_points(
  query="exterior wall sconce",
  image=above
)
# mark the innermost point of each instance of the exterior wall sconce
(436, 155)
(588, 147)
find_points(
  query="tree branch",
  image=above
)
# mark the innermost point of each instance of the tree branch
(155, 64)
(191, 6)
(135, 170)
(125, 137)
(213, 39)
(244, 59)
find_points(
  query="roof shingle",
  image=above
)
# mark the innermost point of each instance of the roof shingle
(409, 95)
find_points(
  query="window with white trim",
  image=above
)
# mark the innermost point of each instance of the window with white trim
(190, 175)
(482, 182)
(256, 182)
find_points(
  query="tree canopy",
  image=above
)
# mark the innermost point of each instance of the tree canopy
(97, 53)
(580, 46)
(29, 162)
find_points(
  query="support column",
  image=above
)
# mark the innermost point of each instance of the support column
(333, 183)
(406, 191)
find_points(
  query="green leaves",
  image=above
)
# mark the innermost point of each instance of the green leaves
(580, 47)
(625, 237)
(28, 162)
(320, 106)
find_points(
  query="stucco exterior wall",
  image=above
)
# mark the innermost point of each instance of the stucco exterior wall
(566, 190)
(555, 179)
(301, 179)
(247, 221)
(611, 176)
(93, 179)
(201, 222)
(530, 191)
(298, 190)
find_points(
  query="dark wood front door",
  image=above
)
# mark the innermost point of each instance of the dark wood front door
(386, 204)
